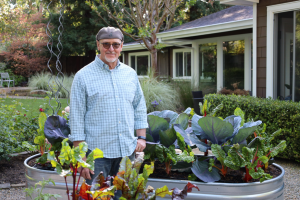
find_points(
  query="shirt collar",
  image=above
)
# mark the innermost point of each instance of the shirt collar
(100, 63)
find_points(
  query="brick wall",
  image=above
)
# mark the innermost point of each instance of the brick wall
(262, 43)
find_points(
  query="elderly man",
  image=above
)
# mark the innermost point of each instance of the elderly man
(107, 105)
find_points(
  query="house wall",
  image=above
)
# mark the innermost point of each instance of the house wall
(163, 63)
(262, 43)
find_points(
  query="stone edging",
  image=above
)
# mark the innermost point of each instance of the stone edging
(8, 185)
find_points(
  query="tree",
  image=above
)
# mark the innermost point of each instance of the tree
(80, 26)
(26, 45)
(10, 12)
(146, 18)
(204, 8)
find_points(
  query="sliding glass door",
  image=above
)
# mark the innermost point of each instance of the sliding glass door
(287, 61)
(296, 70)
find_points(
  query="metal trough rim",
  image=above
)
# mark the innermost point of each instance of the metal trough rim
(179, 181)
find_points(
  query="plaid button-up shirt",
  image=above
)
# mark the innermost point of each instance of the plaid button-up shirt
(106, 106)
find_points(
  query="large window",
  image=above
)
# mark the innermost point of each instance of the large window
(233, 64)
(287, 59)
(182, 63)
(208, 68)
(284, 61)
(140, 62)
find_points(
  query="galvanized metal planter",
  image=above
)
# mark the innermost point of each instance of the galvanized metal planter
(34, 175)
(270, 189)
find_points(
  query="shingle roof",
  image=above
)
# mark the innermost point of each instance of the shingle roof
(234, 13)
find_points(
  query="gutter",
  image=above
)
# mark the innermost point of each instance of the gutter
(205, 30)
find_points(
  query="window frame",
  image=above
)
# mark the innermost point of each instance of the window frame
(174, 63)
(146, 53)
(219, 40)
(270, 47)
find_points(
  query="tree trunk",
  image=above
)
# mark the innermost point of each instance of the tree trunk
(154, 61)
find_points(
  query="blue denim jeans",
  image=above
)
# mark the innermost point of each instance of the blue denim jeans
(109, 166)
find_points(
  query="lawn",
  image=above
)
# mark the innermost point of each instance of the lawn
(31, 107)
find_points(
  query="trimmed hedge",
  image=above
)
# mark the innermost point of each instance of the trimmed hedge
(275, 114)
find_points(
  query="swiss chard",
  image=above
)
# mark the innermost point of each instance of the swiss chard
(263, 143)
(221, 156)
(40, 138)
(70, 159)
(244, 157)
(133, 185)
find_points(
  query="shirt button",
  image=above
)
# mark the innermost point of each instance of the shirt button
(120, 134)
(118, 108)
(119, 122)
(117, 96)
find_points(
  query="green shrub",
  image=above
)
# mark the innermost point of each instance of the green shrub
(162, 92)
(276, 114)
(40, 81)
(17, 126)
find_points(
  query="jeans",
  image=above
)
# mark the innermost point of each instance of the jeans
(109, 166)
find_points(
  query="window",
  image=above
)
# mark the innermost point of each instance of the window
(140, 62)
(233, 64)
(182, 63)
(208, 68)
(287, 61)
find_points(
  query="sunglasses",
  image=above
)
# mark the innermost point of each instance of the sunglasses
(107, 45)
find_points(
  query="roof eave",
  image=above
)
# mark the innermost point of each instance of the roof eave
(239, 2)
(131, 47)
(205, 30)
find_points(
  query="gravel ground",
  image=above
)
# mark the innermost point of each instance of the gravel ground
(291, 181)
(291, 178)
(12, 194)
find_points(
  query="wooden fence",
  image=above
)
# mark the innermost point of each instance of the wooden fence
(73, 64)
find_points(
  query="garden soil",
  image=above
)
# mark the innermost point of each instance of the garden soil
(13, 171)
(233, 176)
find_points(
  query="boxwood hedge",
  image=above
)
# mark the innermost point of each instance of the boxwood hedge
(275, 114)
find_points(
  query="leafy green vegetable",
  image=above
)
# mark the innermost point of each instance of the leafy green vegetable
(70, 159)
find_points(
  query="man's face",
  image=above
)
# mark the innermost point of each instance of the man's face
(111, 54)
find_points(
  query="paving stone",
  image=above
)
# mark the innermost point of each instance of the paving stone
(5, 185)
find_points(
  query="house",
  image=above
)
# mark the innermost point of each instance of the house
(255, 43)
(212, 52)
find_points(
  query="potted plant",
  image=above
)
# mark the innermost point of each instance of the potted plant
(229, 145)
(229, 140)
(54, 130)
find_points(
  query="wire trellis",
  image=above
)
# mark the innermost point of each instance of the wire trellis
(54, 92)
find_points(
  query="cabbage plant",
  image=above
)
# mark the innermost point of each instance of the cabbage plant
(56, 129)
(225, 133)
(161, 137)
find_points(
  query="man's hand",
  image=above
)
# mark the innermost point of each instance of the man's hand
(85, 172)
(140, 146)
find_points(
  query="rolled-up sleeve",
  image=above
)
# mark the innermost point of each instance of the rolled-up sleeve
(77, 109)
(140, 109)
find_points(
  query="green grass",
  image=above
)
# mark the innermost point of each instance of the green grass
(31, 107)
